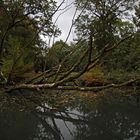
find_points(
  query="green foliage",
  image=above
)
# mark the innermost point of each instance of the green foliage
(17, 62)
(21, 23)
(124, 61)
(22, 50)
(101, 17)
(56, 53)
(121, 75)
(106, 20)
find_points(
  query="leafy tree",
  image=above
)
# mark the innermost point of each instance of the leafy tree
(21, 24)
(17, 63)
(24, 15)
(100, 29)
(108, 22)
(124, 61)
(101, 17)
(56, 53)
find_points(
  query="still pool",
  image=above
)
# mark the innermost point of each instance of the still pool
(56, 115)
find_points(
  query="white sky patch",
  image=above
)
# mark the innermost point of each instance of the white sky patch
(63, 18)
(64, 21)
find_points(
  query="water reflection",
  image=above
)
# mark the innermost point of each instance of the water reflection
(109, 116)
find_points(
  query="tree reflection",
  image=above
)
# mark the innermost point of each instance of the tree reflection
(111, 117)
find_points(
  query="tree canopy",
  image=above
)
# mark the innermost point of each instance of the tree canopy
(107, 41)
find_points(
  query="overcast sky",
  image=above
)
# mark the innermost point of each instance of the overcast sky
(65, 20)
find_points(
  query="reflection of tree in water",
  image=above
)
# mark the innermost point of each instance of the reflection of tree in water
(111, 119)
(45, 130)
(83, 118)
(17, 125)
(103, 118)
(49, 121)
(109, 125)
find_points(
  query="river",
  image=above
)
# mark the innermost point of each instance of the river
(57, 115)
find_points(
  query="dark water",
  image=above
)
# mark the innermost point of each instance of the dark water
(110, 115)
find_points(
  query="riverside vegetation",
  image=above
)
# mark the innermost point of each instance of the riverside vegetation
(55, 89)
(105, 51)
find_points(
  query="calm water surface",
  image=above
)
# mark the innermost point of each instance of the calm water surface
(110, 115)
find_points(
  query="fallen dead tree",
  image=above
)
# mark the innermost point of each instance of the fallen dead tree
(57, 76)
(66, 77)
(54, 86)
